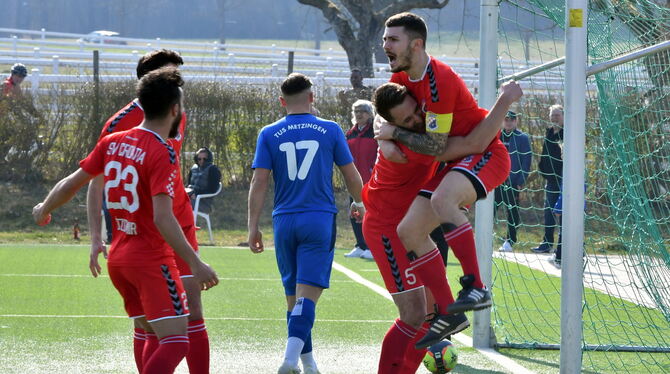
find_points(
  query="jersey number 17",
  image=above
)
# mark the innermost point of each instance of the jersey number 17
(289, 149)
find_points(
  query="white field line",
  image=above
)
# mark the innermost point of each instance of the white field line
(490, 353)
(208, 318)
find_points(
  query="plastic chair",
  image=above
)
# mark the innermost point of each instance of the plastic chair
(196, 213)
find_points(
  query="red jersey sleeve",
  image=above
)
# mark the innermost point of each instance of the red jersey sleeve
(164, 171)
(94, 163)
(467, 113)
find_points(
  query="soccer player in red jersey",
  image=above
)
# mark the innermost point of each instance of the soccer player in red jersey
(447, 108)
(141, 175)
(127, 118)
(388, 195)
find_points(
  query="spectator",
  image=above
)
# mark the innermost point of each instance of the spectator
(507, 194)
(551, 169)
(557, 210)
(363, 147)
(12, 84)
(203, 178)
(357, 91)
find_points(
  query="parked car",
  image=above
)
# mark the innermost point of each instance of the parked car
(102, 37)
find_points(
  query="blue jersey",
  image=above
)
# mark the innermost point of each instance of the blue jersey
(300, 149)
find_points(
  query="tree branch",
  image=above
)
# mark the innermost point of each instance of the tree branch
(334, 16)
(400, 6)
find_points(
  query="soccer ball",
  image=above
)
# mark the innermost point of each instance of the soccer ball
(441, 357)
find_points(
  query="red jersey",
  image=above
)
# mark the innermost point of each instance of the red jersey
(132, 116)
(393, 186)
(449, 106)
(137, 165)
(363, 147)
(7, 86)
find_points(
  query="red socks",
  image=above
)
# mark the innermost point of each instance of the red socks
(430, 269)
(150, 346)
(171, 350)
(413, 356)
(461, 240)
(395, 343)
(198, 352)
(139, 338)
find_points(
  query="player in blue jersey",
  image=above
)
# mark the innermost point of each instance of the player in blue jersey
(299, 150)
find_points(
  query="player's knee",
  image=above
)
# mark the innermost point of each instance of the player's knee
(413, 317)
(443, 202)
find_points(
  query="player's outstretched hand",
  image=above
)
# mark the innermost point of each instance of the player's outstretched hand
(205, 276)
(255, 240)
(392, 152)
(93, 264)
(511, 91)
(41, 217)
(356, 212)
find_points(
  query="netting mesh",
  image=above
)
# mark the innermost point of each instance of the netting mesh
(626, 306)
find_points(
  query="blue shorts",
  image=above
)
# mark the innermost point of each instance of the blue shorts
(304, 244)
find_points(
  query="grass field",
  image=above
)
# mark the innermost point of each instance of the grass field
(55, 317)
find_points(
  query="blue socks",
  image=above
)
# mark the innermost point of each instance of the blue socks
(301, 320)
(308, 342)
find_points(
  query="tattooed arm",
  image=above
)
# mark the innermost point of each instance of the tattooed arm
(433, 144)
(427, 143)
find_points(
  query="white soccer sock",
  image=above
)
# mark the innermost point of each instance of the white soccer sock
(293, 348)
(308, 360)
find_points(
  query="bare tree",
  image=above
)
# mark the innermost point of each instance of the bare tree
(359, 24)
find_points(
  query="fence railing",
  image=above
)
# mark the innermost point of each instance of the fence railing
(56, 58)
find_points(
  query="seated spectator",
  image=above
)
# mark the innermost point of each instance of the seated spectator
(203, 178)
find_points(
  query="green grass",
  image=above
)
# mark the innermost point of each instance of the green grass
(55, 314)
(245, 316)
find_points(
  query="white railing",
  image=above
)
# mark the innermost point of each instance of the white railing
(71, 61)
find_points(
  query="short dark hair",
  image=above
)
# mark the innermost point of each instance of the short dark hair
(158, 90)
(388, 96)
(157, 59)
(414, 25)
(294, 84)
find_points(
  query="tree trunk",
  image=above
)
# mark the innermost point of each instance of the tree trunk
(359, 30)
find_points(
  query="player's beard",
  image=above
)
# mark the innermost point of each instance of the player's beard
(403, 61)
(174, 130)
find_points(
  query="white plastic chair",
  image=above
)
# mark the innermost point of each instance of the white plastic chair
(196, 213)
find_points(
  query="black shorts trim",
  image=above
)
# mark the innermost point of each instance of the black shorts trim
(476, 183)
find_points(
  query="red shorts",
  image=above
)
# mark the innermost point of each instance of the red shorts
(182, 266)
(154, 291)
(486, 170)
(390, 256)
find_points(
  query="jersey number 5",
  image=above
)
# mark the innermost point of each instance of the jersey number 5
(291, 160)
(122, 175)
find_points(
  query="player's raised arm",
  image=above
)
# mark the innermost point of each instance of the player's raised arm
(395, 104)
(169, 228)
(60, 194)
(257, 192)
(482, 135)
